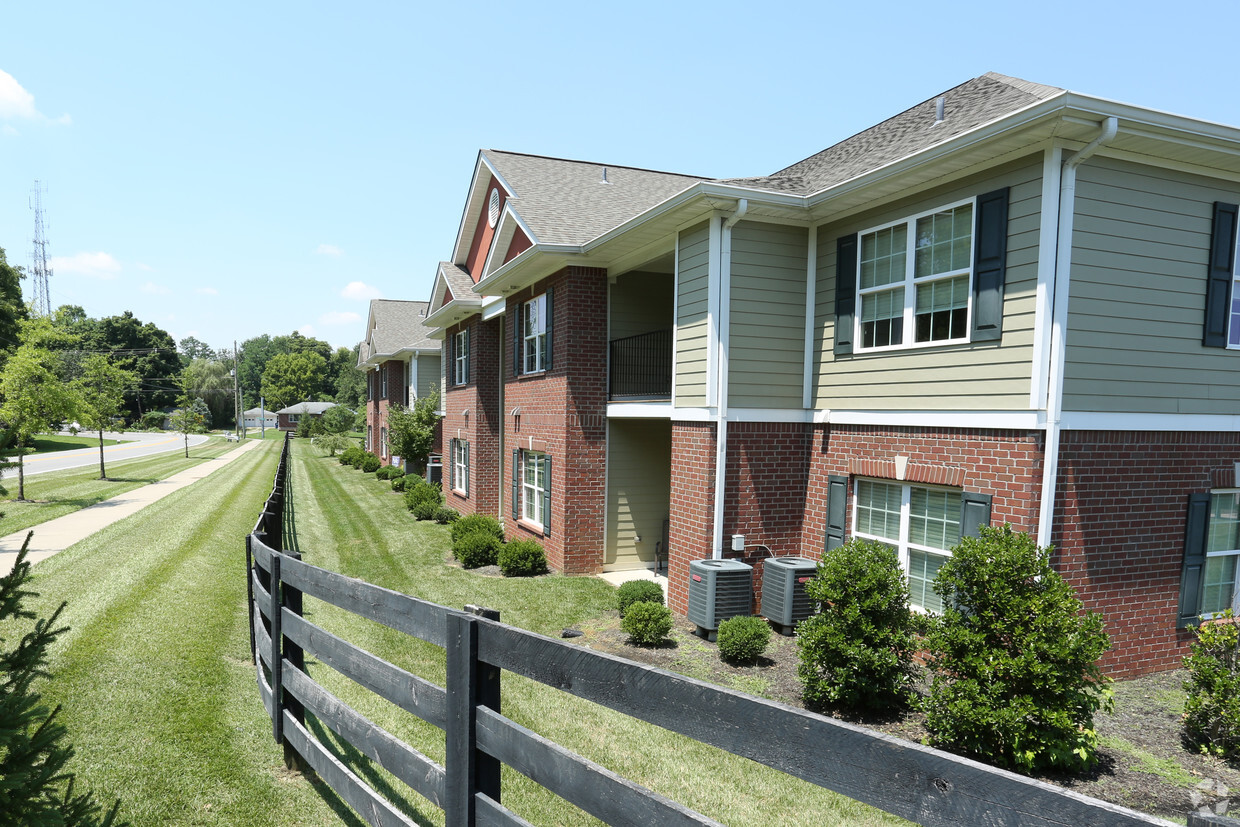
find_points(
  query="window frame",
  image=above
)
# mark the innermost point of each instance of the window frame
(533, 504)
(460, 468)
(911, 281)
(1234, 604)
(460, 357)
(383, 383)
(537, 340)
(1233, 309)
(903, 544)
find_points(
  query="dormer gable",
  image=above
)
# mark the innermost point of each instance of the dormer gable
(488, 198)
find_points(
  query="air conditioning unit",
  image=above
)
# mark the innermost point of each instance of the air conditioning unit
(784, 601)
(718, 589)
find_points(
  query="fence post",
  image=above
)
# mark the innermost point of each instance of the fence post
(277, 665)
(1211, 820)
(249, 590)
(469, 683)
(291, 599)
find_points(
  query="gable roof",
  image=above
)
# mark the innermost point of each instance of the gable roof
(965, 107)
(571, 202)
(307, 408)
(393, 326)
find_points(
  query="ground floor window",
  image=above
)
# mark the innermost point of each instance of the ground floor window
(920, 523)
(460, 466)
(1219, 591)
(533, 486)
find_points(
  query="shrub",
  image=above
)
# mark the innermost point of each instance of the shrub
(638, 591)
(423, 499)
(446, 516)
(522, 558)
(424, 510)
(359, 458)
(1016, 680)
(399, 483)
(1212, 711)
(476, 522)
(477, 549)
(352, 455)
(153, 420)
(857, 651)
(390, 472)
(371, 463)
(647, 623)
(743, 639)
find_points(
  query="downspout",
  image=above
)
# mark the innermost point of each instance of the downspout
(1059, 324)
(721, 365)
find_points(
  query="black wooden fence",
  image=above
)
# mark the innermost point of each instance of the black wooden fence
(910, 780)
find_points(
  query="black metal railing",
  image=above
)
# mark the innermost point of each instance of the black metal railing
(641, 366)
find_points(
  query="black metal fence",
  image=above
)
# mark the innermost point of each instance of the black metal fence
(641, 366)
(921, 784)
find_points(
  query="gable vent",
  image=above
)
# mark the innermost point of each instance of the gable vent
(493, 208)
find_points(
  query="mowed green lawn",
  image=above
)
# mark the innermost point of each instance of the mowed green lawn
(160, 699)
(50, 443)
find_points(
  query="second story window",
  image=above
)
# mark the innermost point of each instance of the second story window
(460, 357)
(383, 382)
(534, 330)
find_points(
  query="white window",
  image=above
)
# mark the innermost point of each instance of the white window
(914, 280)
(1219, 591)
(534, 329)
(293, 419)
(383, 442)
(460, 360)
(370, 437)
(370, 386)
(1233, 326)
(921, 524)
(533, 486)
(460, 465)
(383, 382)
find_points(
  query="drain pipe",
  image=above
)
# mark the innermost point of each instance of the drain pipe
(1059, 324)
(721, 365)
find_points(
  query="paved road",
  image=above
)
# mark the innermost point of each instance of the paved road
(132, 445)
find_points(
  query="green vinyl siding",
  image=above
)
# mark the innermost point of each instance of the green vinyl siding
(766, 340)
(639, 487)
(986, 376)
(1140, 244)
(640, 303)
(692, 308)
(428, 375)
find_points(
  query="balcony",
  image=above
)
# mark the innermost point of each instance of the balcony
(641, 367)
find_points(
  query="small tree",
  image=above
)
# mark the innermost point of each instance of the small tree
(337, 420)
(1015, 660)
(1212, 710)
(411, 431)
(101, 390)
(187, 421)
(36, 399)
(34, 787)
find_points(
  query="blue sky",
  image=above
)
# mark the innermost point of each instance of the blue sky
(231, 169)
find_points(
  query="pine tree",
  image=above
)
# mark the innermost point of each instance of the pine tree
(34, 786)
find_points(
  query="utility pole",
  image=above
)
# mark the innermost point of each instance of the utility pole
(262, 415)
(240, 425)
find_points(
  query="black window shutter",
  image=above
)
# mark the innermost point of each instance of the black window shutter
(465, 446)
(546, 496)
(550, 316)
(517, 355)
(837, 508)
(450, 359)
(1222, 268)
(990, 265)
(452, 464)
(845, 292)
(1193, 571)
(974, 513)
(516, 483)
(469, 351)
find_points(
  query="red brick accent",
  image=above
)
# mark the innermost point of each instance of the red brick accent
(692, 506)
(1119, 532)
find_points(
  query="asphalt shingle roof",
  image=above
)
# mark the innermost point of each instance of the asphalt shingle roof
(459, 282)
(570, 202)
(398, 325)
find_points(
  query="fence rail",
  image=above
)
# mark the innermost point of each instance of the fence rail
(921, 784)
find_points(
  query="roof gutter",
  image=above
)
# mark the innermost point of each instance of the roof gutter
(723, 314)
(1059, 324)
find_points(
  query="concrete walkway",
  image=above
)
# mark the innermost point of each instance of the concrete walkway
(58, 534)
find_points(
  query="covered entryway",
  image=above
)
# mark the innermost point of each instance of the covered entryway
(639, 482)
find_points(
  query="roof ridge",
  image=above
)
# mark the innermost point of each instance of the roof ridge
(599, 164)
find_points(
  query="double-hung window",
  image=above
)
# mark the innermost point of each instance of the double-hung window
(1219, 591)
(460, 466)
(914, 280)
(383, 372)
(920, 523)
(460, 357)
(383, 442)
(533, 486)
(534, 334)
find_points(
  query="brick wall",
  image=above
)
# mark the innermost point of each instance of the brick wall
(395, 371)
(563, 412)
(692, 506)
(1119, 532)
(471, 412)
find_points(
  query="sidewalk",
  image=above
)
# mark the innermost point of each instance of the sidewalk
(58, 534)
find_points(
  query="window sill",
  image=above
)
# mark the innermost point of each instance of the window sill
(913, 347)
(536, 528)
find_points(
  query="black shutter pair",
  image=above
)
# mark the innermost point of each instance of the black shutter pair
(518, 336)
(989, 273)
(974, 512)
(516, 490)
(1222, 269)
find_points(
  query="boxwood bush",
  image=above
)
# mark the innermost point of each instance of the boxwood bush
(446, 516)
(742, 639)
(399, 483)
(351, 455)
(390, 472)
(638, 591)
(647, 623)
(423, 499)
(1015, 660)
(857, 651)
(522, 558)
(371, 463)
(477, 522)
(479, 548)
(1212, 711)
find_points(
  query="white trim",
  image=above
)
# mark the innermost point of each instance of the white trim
(1004, 420)
(693, 414)
(493, 306)
(1098, 421)
(714, 250)
(1051, 170)
(770, 415)
(411, 391)
(811, 286)
(675, 309)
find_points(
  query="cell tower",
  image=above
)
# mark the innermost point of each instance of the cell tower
(39, 271)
